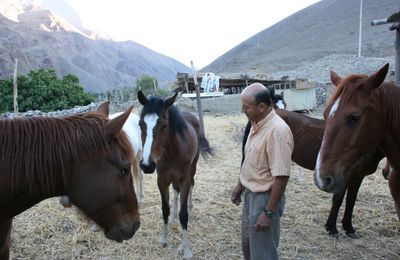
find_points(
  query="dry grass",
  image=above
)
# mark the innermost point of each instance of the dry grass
(48, 231)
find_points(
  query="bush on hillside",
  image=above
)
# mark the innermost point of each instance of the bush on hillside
(42, 90)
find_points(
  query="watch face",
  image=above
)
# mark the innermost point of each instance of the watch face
(268, 213)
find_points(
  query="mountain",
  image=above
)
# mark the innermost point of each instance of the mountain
(43, 39)
(325, 29)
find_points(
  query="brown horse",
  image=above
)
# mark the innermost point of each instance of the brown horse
(361, 117)
(85, 156)
(172, 141)
(307, 134)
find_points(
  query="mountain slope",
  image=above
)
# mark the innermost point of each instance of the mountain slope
(42, 39)
(325, 28)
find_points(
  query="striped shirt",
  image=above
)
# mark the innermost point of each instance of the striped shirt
(268, 153)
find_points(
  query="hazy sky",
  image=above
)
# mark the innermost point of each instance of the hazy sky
(186, 30)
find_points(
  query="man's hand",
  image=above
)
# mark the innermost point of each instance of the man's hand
(236, 194)
(263, 222)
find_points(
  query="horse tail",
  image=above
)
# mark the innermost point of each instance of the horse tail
(204, 146)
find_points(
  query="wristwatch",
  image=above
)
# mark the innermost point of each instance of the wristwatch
(268, 213)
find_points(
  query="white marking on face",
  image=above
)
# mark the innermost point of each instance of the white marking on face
(334, 108)
(318, 169)
(151, 121)
(280, 104)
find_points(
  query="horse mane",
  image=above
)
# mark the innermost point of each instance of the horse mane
(177, 123)
(36, 152)
(390, 96)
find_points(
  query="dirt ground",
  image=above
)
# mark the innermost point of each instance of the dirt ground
(48, 231)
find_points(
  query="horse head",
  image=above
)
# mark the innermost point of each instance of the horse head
(353, 128)
(101, 185)
(154, 125)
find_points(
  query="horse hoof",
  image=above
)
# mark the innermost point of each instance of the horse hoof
(353, 235)
(65, 201)
(334, 235)
(94, 227)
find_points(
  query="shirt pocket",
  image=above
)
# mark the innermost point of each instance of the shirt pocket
(255, 157)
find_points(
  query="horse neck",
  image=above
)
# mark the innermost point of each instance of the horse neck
(389, 106)
(390, 112)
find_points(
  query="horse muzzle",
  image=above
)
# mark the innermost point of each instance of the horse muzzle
(122, 231)
(148, 168)
(329, 183)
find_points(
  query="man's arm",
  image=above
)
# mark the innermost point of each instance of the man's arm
(278, 189)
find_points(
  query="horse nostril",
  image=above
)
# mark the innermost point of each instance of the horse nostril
(328, 182)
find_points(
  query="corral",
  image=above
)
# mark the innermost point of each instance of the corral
(48, 231)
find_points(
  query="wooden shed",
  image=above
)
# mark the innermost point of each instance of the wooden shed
(299, 94)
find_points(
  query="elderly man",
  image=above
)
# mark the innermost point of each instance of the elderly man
(264, 174)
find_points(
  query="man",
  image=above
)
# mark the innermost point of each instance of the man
(264, 174)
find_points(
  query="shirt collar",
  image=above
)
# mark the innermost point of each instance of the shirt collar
(263, 122)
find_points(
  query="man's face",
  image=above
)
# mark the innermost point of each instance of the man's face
(249, 107)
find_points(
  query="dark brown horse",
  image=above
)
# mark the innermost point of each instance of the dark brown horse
(172, 141)
(85, 156)
(361, 117)
(307, 134)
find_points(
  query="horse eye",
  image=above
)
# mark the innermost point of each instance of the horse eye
(352, 119)
(125, 172)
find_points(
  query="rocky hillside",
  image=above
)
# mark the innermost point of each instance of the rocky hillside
(315, 40)
(42, 39)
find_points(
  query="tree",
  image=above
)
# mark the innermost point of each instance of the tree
(147, 84)
(42, 90)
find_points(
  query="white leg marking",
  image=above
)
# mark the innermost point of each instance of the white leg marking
(164, 236)
(187, 253)
(175, 207)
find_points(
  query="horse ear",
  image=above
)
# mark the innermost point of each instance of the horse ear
(169, 101)
(114, 126)
(282, 94)
(104, 108)
(376, 79)
(335, 78)
(142, 98)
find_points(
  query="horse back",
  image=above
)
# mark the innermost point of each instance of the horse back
(307, 134)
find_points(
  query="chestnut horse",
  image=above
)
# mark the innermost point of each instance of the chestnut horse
(361, 117)
(307, 134)
(85, 156)
(172, 142)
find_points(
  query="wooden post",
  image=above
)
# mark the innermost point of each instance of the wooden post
(15, 88)
(397, 57)
(395, 20)
(199, 107)
(186, 83)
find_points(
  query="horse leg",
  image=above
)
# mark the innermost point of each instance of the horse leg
(5, 231)
(330, 225)
(184, 219)
(137, 176)
(175, 204)
(394, 185)
(164, 191)
(351, 197)
(190, 201)
(140, 179)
